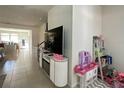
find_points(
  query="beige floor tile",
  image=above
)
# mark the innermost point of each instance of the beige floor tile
(19, 76)
(25, 73)
(19, 83)
(6, 84)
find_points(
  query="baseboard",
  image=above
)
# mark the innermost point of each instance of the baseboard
(73, 86)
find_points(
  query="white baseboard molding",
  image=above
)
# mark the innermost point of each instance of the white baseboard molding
(73, 86)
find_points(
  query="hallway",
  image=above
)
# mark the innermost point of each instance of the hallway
(24, 72)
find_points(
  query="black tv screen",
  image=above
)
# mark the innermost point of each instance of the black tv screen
(54, 40)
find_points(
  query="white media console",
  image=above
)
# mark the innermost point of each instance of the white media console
(56, 70)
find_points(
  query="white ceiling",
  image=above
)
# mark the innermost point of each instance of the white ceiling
(25, 15)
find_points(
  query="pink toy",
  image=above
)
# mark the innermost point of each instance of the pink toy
(58, 57)
(119, 81)
(121, 74)
(85, 63)
(84, 58)
(87, 68)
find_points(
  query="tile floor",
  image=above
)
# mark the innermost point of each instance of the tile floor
(24, 72)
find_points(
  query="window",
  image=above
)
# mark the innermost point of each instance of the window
(9, 37)
(5, 37)
(14, 38)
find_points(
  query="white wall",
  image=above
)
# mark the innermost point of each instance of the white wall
(113, 30)
(41, 32)
(58, 16)
(86, 23)
(80, 23)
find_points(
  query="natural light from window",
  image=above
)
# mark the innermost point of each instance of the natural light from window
(9, 37)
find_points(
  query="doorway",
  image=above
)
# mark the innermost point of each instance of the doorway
(21, 37)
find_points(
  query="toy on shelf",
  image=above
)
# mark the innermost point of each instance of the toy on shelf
(86, 70)
(109, 75)
(84, 58)
(114, 78)
(58, 57)
(119, 80)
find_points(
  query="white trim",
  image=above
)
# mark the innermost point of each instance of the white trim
(14, 29)
(73, 86)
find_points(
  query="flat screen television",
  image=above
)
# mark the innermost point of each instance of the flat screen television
(54, 40)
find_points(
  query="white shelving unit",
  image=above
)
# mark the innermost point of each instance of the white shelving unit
(98, 50)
